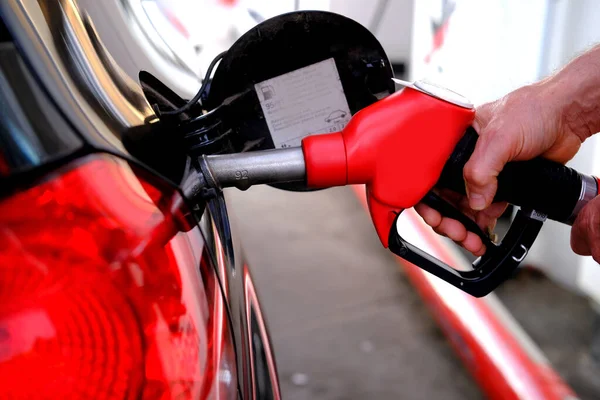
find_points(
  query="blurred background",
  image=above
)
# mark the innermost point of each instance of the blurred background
(345, 321)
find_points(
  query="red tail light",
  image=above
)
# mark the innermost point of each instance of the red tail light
(102, 298)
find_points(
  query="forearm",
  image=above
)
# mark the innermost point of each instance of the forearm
(576, 89)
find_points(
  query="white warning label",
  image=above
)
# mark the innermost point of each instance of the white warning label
(302, 102)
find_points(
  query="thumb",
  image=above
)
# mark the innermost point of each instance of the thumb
(585, 234)
(483, 116)
(491, 153)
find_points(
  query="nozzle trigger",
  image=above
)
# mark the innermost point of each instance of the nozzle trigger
(488, 271)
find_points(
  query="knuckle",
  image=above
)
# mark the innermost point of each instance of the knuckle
(595, 251)
(578, 244)
(596, 255)
(493, 129)
(501, 136)
(591, 222)
(586, 231)
(440, 231)
(474, 173)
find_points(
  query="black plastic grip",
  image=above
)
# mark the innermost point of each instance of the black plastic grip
(539, 184)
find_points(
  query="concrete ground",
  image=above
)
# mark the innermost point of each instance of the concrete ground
(345, 322)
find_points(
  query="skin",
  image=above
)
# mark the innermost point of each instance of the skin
(551, 119)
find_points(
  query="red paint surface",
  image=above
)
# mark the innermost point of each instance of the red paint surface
(4, 168)
(397, 147)
(325, 157)
(101, 297)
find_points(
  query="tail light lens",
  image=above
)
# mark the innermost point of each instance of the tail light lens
(101, 296)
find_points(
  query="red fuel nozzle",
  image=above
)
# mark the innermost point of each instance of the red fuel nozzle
(397, 147)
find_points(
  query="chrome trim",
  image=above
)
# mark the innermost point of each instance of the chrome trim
(88, 54)
(135, 10)
(522, 257)
(589, 190)
(32, 130)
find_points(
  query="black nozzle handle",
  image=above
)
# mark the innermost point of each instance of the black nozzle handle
(545, 186)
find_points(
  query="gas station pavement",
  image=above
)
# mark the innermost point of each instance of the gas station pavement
(346, 323)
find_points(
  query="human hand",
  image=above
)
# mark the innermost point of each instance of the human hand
(451, 228)
(585, 234)
(529, 122)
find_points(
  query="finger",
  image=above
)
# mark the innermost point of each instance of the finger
(585, 235)
(495, 210)
(431, 217)
(485, 223)
(473, 244)
(579, 242)
(459, 201)
(579, 233)
(462, 203)
(492, 151)
(452, 229)
(487, 218)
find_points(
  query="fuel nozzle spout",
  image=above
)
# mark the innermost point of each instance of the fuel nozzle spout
(242, 170)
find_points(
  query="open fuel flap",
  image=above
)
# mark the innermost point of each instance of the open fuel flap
(295, 75)
(291, 76)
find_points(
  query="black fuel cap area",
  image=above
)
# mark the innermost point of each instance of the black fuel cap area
(298, 74)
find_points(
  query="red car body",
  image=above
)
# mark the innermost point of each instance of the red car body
(112, 286)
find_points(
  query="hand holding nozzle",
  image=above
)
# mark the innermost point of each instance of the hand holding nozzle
(401, 148)
(401, 154)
